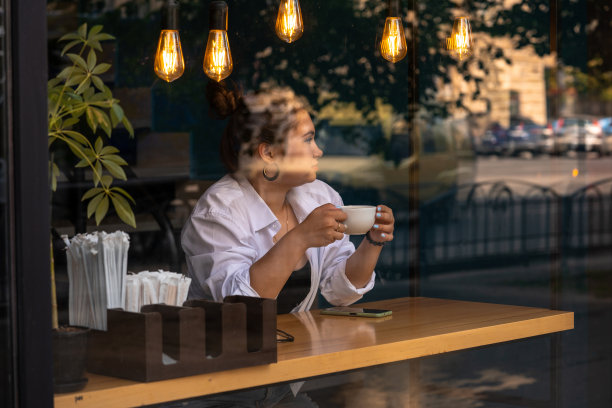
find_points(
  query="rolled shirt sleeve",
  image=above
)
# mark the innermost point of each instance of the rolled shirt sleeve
(335, 287)
(220, 255)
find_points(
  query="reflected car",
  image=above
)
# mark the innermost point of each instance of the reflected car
(525, 136)
(494, 140)
(582, 133)
(606, 126)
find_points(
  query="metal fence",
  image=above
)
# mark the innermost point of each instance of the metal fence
(501, 223)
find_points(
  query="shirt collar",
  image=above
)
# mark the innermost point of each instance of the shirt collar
(301, 202)
(260, 214)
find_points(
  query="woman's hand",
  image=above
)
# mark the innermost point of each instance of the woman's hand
(322, 226)
(384, 223)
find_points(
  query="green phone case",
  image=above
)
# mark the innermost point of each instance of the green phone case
(359, 312)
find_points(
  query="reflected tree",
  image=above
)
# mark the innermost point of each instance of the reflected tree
(337, 61)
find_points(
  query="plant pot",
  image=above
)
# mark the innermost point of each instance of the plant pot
(69, 358)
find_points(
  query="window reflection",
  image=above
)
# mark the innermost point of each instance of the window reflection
(510, 148)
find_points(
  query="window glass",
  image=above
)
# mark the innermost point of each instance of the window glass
(505, 155)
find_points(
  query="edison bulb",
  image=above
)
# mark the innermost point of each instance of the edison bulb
(218, 63)
(169, 62)
(289, 24)
(393, 45)
(461, 44)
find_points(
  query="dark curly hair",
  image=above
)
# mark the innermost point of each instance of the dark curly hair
(264, 116)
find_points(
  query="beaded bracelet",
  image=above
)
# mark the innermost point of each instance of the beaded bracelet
(377, 243)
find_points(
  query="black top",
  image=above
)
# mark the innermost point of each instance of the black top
(295, 290)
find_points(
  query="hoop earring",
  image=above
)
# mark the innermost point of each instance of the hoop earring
(271, 177)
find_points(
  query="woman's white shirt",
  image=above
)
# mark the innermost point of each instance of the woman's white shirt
(231, 228)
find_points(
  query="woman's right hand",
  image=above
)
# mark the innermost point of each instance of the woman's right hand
(322, 226)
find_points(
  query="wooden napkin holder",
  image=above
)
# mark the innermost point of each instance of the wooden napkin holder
(200, 337)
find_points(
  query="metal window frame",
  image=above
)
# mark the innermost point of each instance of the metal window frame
(29, 203)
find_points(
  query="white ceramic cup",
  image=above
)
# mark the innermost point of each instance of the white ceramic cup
(360, 218)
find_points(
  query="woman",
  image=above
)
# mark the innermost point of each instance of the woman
(270, 224)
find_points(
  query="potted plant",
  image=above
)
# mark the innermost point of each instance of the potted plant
(81, 116)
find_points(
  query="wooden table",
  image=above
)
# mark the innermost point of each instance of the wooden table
(328, 344)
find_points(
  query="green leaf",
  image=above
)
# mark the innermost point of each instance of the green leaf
(70, 45)
(70, 122)
(104, 37)
(76, 149)
(69, 36)
(54, 175)
(128, 126)
(83, 163)
(105, 122)
(116, 114)
(66, 72)
(125, 193)
(83, 86)
(100, 100)
(77, 79)
(101, 68)
(71, 95)
(95, 44)
(107, 92)
(116, 159)
(78, 137)
(99, 145)
(107, 180)
(88, 94)
(91, 192)
(109, 150)
(78, 60)
(53, 82)
(91, 119)
(79, 110)
(94, 30)
(97, 82)
(123, 209)
(97, 175)
(91, 60)
(114, 169)
(82, 31)
(91, 207)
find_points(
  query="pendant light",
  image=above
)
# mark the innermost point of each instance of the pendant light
(393, 45)
(218, 63)
(169, 63)
(461, 43)
(289, 24)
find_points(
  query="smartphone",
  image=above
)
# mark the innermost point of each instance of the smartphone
(355, 311)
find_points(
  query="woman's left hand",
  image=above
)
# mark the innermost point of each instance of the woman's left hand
(384, 223)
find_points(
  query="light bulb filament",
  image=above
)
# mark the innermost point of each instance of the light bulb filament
(218, 57)
(289, 20)
(169, 56)
(394, 42)
(460, 41)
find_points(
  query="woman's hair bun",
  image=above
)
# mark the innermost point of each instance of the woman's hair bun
(223, 101)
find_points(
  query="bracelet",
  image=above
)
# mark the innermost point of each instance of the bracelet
(377, 243)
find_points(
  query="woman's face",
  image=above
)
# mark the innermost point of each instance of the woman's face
(299, 164)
